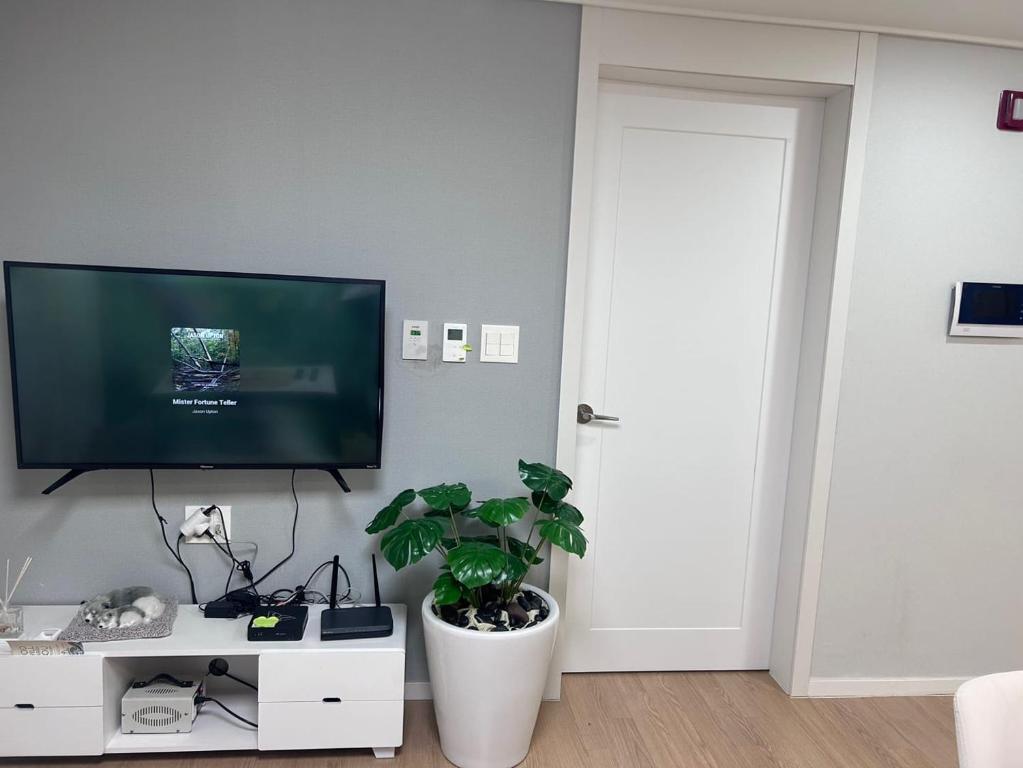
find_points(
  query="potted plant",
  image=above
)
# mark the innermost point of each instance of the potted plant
(489, 636)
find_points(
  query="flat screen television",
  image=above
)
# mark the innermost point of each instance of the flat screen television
(116, 367)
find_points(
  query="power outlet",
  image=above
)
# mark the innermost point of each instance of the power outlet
(220, 525)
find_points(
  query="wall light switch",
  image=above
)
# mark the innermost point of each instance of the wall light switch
(499, 344)
(414, 335)
(456, 342)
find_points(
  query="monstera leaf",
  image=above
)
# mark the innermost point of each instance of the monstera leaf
(563, 534)
(388, 516)
(446, 589)
(497, 512)
(476, 563)
(410, 542)
(523, 552)
(543, 502)
(447, 498)
(514, 570)
(568, 513)
(543, 479)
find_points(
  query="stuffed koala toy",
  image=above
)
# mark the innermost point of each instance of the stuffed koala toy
(126, 607)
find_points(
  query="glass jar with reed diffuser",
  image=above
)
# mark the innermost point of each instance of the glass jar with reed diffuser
(12, 622)
(12, 617)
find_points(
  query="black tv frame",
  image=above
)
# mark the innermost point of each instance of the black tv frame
(76, 469)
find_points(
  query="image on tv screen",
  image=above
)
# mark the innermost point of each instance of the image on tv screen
(205, 359)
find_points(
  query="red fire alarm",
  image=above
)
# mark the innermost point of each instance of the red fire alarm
(1010, 111)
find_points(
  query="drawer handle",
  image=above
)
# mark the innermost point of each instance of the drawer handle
(331, 700)
(24, 706)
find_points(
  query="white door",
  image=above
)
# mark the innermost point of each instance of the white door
(699, 249)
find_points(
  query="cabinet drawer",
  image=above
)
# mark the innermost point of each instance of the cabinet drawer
(48, 732)
(55, 681)
(346, 675)
(338, 725)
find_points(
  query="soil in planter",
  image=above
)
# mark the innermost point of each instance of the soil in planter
(494, 615)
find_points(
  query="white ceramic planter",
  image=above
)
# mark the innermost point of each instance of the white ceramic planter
(487, 686)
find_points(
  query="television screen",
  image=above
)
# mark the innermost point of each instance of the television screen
(119, 367)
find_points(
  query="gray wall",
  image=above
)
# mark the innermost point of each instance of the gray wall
(425, 143)
(924, 550)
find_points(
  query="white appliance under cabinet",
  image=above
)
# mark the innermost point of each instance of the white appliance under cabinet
(312, 694)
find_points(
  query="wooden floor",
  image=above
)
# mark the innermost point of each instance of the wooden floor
(705, 719)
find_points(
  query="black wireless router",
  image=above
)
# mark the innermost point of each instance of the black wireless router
(358, 621)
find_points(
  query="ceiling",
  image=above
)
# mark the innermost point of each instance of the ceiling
(988, 21)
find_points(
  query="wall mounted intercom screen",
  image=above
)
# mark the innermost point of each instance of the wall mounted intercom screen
(987, 309)
(118, 367)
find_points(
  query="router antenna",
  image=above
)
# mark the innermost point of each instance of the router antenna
(376, 581)
(333, 581)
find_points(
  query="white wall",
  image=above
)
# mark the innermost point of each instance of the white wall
(923, 561)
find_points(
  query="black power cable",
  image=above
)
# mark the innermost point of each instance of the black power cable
(232, 713)
(163, 532)
(294, 528)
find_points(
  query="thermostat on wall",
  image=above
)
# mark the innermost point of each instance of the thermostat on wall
(414, 334)
(455, 342)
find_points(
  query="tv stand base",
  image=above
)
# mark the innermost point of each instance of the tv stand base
(64, 479)
(339, 480)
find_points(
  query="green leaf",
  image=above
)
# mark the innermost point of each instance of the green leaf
(568, 513)
(543, 502)
(446, 589)
(502, 511)
(410, 542)
(514, 569)
(388, 516)
(543, 479)
(474, 514)
(446, 497)
(476, 563)
(563, 534)
(524, 552)
(559, 509)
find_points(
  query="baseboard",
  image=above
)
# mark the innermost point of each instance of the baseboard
(862, 687)
(417, 691)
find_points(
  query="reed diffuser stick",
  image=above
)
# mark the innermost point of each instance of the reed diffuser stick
(9, 594)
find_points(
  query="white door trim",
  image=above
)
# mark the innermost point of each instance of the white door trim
(703, 13)
(834, 356)
(599, 24)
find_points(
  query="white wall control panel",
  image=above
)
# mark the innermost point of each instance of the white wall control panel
(499, 344)
(455, 341)
(414, 334)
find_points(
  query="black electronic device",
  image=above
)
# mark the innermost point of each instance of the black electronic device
(117, 367)
(360, 621)
(279, 623)
(232, 605)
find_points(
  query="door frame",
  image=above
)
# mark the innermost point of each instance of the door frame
(743, 57)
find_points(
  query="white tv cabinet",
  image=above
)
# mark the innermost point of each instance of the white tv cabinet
(312, 694)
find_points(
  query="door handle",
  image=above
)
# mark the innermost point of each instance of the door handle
(584, 415)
